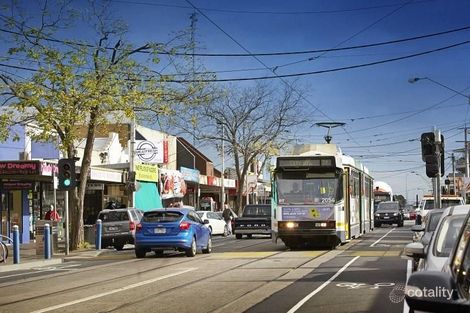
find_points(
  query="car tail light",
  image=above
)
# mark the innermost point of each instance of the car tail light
(184, 225)
(138, 227)
(131, 225)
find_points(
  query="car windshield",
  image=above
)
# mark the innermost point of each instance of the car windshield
(448, 235)
(433, 220)
(162, 216)
(113, 216)
(387, 206)
(257, 211)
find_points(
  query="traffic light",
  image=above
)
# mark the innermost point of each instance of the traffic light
(431, 151)
(67, 176)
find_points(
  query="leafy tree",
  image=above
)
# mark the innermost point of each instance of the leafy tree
(70, 84)
(252, 122)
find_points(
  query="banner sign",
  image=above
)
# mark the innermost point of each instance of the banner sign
(308, 213)
(190, 174)
(172, 184)
(151, 151)
(20, 168)
(146, 172)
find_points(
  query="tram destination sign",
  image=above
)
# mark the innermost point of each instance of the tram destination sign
(290, 162)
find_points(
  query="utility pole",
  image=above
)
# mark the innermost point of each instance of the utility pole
(453, 174)
(437, 191)
(193, 19)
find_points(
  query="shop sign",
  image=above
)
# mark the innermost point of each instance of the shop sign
(19, 168)
(202, 179)
(172, 184)
(146, 172)
(94, 186)
(108, 176)
(151, 151)
(16, 185)
(213, 181)
(48, 168)
(190, 174)
(229, 183)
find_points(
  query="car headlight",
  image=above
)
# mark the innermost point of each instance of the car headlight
(395, 214)
(377, 215)
(291, 225)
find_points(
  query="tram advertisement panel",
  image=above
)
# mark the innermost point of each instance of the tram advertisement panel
(309, 213)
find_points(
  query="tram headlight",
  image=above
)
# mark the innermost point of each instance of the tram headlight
(291, 225)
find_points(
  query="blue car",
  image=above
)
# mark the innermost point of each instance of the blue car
(173, 228)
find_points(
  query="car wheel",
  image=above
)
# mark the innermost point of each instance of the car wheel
(208, 248)
(159, 252)
(225, 231)
(238, 236)
(140, 253)
(118, 246)
(192, 250)
(378, 225)
(249, 236)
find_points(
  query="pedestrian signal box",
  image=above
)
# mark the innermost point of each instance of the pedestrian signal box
(67, 176)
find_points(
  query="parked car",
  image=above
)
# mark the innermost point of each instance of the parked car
(388, 212)
(434, 256)
(453, 281)
(217, 224)
(412, 214)
(173, 228)
(118, 226)
(255, 219)
(423, 233)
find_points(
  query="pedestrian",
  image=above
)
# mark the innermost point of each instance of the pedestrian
(228, 215)
(52, 214)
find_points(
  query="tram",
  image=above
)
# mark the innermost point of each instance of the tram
(320, 197)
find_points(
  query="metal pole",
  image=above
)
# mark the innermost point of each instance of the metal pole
(67, 239)
(131, 156)
(464, 191)
(453, 174)
(437, 192)
(47, 241)
(223, 168)
(16, 244)
(99, 230)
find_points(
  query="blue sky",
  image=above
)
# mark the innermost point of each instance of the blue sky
(379, 105)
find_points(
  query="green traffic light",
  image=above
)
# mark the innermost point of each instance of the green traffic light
(67, 182)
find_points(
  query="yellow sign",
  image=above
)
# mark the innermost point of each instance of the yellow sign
(314, 213)
(146, 172)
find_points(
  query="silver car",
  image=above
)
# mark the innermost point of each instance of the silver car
(119, 226)
(433, 256)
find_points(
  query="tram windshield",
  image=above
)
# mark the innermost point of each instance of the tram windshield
(308, 188)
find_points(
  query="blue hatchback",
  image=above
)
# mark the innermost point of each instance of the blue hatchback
(172, 228)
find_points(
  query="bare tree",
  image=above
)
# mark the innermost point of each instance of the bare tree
(252, 122)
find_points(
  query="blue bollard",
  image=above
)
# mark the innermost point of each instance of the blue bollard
(47, 241)
(99, 229)
(16, 244)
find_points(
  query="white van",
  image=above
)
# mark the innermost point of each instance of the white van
(427, 203)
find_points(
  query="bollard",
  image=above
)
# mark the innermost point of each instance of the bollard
(16, 244)
(47, 241)
(99, 229)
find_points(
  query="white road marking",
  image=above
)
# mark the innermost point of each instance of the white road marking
(406, 308)
(302, 302)
(381, 238)
(145, 282)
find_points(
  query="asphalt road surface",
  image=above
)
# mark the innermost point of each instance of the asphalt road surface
(248, 275)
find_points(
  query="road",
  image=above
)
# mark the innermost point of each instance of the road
(252, 275)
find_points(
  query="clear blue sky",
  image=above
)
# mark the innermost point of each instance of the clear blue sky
(379, 105)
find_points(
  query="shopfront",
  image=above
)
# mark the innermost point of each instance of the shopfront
(24, 195)
(191, 177)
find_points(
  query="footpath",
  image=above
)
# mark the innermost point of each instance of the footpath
(30, 259)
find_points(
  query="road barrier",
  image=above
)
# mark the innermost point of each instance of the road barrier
(99, 230)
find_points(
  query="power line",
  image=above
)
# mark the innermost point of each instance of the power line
(268, 12)
(324, 71)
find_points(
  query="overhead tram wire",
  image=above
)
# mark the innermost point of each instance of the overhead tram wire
(336, 48)
(268, 12)
(258, 59)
